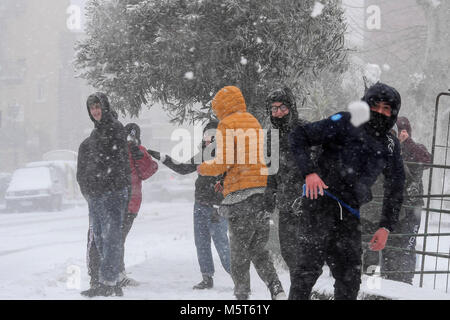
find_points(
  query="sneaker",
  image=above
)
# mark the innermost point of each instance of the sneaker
(128, 282)
(206, 283)
(276, 290)
(100, 290)
(280, 296)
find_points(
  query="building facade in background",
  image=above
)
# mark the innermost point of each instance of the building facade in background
(40, 97)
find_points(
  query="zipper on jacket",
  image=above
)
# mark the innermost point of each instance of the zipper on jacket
(340, 210)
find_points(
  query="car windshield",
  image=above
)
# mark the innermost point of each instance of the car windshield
(30, 179)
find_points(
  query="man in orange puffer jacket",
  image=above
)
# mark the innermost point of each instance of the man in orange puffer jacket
(239, 144)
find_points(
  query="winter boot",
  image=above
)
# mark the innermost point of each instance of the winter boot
(100, 290)
(118, 290)
(280, 296)
(206, 283)
(277, 292)
(94, 282)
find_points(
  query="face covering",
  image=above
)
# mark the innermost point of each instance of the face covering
(380, 123)
(282, 124)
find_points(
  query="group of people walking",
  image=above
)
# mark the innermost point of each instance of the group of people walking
(326, 170)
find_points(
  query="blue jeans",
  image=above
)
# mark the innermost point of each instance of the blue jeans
(204, 230)
(105, 221)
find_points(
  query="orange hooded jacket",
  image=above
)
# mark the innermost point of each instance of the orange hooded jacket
(240, 140)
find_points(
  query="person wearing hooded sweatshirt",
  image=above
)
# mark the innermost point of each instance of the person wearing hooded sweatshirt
(350, 161)
(283, 187)
(207, 223)
(237, 156)
(142, 167)
(410, 215)
(104, 177)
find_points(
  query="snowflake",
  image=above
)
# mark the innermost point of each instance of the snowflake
(317, 10)
(189, 75)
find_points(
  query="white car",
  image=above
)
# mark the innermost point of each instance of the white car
(35, 187)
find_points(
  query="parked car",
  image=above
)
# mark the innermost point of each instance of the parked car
(167, 186)
(67, 173)
(35, 187)
(5, 178)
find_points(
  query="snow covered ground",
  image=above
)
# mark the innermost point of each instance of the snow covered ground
(42, 256)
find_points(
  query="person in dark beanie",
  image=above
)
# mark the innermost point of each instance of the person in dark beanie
(351, 159)
(104, 177)
(370, 214)
(208, 224)
(410, 215)
(283, 186)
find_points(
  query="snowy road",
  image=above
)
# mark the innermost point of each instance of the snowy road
(38, 251)
(42, 256)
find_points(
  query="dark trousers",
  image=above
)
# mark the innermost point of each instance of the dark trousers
(93, 258)
(288, 233)
(394, 260)
(325, 237)
(249, 227)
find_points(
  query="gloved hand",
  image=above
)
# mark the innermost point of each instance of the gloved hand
(218, 187)
(215, 217)
(154, 154)
(379, 239)
(136, 153)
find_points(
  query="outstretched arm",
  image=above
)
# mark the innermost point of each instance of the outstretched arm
(180, 168)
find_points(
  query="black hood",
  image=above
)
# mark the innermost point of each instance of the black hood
(211, 125)
(381, 92)
(285, 96)
(133, 130)
(101, 98)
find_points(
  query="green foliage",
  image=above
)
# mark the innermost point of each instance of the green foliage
(180, 53)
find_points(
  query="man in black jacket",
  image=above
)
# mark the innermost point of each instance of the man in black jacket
(350, 161)
(207, 223)
(283, 186)
(103, 173)
(410, 215)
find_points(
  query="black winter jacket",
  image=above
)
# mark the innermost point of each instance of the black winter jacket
(103, 163)
(351, 160)
(286, 185)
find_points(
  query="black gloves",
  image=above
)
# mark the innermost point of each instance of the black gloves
(154, 154)
(136, 153)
